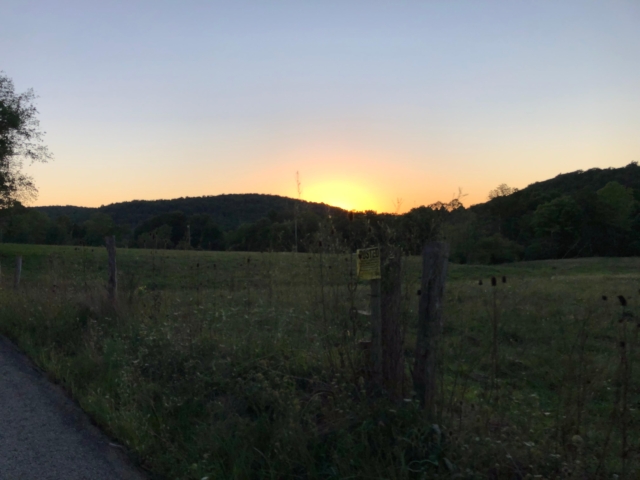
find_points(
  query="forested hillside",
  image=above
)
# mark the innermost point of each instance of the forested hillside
(583, 213)
(227, 211)
(577, 214)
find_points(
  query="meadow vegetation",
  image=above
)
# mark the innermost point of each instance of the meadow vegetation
(249, 365)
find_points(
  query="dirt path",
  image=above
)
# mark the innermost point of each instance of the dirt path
(44, 435)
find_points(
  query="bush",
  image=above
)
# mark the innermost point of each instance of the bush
(496, 249)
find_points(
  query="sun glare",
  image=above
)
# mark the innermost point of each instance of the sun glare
(346, 195)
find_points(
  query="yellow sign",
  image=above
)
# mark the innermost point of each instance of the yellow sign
(368, 263)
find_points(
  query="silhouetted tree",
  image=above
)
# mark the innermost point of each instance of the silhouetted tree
(502, 190)
(20, 139)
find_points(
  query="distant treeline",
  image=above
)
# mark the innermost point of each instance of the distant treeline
(331, 229)
(578, 214)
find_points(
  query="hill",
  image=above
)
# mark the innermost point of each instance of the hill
(529, 198)
(577, 214)
(228, 211)
(75, 214)
(582, 213)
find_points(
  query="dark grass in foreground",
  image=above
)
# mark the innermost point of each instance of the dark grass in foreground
(232, 365)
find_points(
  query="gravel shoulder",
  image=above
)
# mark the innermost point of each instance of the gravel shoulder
(44, 434)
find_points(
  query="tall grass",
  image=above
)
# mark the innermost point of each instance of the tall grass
(236, 365)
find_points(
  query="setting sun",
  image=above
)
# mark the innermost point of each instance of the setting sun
(343, 194)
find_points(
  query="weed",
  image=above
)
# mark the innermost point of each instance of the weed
(215, 369)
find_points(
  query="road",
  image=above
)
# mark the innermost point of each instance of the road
(45, 435)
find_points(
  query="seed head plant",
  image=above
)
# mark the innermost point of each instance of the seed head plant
(222, 364)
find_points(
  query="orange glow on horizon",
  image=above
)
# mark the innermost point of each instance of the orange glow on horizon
(341, 193)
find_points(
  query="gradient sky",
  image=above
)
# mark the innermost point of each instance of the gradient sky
(370, 101)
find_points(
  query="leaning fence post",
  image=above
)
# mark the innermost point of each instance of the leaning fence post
(434, 272)
(112, 286)
(16, 278)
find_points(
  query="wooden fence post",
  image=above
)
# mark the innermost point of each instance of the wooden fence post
(18, 272)
(112, 286)
(376, 334)
(392, 332)
(434, 272)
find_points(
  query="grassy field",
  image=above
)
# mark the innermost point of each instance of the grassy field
(236, 365)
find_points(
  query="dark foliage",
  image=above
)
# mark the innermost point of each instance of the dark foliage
(20, 139)
(577, 214)
(227, 211)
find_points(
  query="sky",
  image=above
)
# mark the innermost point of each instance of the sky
(383, 105)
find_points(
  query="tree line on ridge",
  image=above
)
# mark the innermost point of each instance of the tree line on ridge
(592, 213)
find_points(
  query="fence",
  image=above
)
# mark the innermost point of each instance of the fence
(541, 360)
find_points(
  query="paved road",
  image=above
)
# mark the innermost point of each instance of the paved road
(44, 435)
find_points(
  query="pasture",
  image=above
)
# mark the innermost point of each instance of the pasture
(248, 365)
